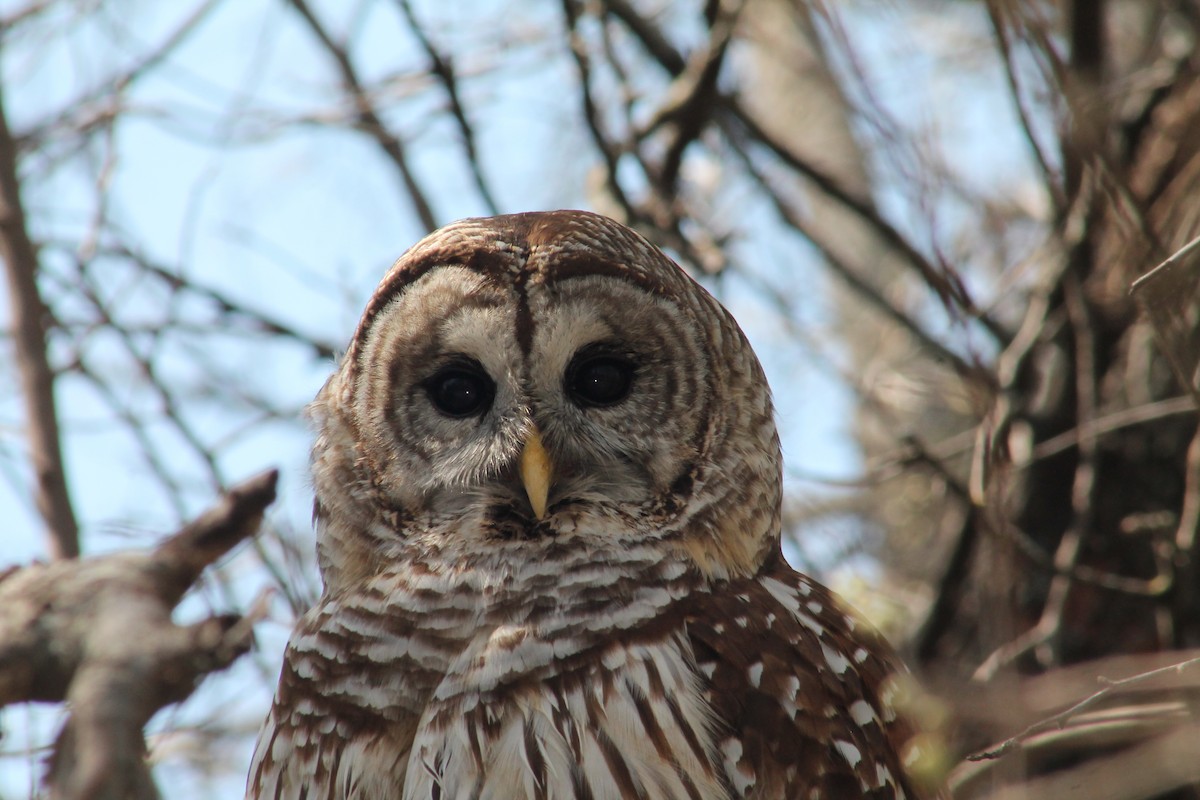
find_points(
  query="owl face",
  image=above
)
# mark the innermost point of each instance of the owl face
(541, 376)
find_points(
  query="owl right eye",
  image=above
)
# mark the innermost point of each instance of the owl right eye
(461, 391)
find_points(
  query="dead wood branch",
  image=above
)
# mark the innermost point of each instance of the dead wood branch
(98, 635)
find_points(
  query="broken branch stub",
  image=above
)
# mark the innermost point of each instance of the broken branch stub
(97, 633)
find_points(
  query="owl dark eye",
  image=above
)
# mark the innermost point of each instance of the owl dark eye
(461, 391)
(599, 380)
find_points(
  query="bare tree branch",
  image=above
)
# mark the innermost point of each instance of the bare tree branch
(610, 152)
(1004, 45)
(872, 296)
(442, 68)
(367, 116)
(692, 97)
(31, 324)
(98, 634)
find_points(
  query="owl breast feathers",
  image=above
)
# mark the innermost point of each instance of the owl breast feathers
(548, 497)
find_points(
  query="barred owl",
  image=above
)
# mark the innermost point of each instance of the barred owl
(548, 496)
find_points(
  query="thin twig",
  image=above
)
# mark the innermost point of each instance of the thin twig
(858, 283)
(1050, 178)
(442, 67)
(1061, 718)
(1083, 487)
(591, 113)
(367, 117)
(31, 323)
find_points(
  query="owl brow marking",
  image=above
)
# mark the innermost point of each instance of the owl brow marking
(524, 324)
(566, 265)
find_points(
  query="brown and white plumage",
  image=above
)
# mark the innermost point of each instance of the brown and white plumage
(575, 588)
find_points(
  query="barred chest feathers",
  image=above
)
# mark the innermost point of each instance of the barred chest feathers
(576, 678)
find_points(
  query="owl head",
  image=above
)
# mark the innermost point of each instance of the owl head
(532, 381)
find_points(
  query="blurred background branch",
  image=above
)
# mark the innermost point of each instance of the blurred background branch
(30, 323)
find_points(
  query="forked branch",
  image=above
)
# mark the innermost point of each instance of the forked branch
(97, 633)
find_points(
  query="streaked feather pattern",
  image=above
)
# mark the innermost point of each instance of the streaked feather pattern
(759, 687)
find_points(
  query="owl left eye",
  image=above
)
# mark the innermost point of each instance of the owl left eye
(600, 380)
(461, 391)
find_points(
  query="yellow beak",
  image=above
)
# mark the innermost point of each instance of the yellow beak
(536, 472)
